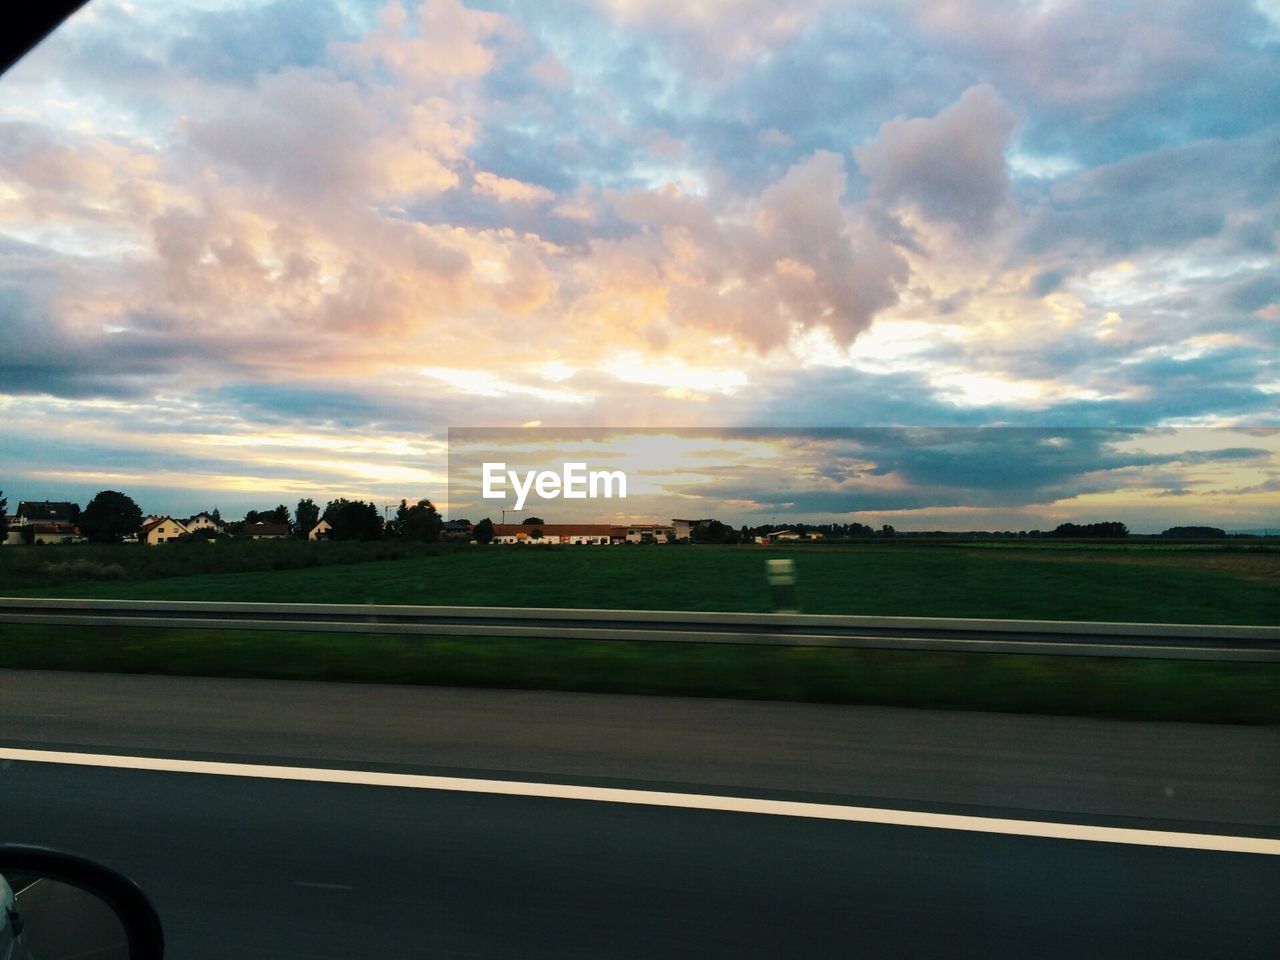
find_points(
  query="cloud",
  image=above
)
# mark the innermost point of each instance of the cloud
(725, 212)
(1168, 203)
(793, 258)
(855, 273)
(310, 134)
(1255, 293)
(445, 44)
(1082, 52)
(848, 471)
(740, 30)
(951, 165)
(508, 190)
(234, 46)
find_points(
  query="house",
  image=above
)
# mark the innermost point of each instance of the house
(647, 533)
(783, 535)
(456, 530)
(598, 534)
(683, 529)
(44, 511)
(265, 531)
(204, 521)
(551, 533)
(162, 530)
(43, 521)
(320, 531)
(43, 532)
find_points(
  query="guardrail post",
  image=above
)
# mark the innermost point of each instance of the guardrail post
(782, 585)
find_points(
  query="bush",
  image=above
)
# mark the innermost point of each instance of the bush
(85, 570)
(28, 569)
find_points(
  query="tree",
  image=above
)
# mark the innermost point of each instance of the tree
(353, 520)
(279, 515)
(887, 530)
(535, 533)
(713, 531)
(532, 522)
(4, 516)
(1195, 533)
(1112, 530)
(308, 515)
(109, 517)
(484, 531)
(420, 523)
(396, 524)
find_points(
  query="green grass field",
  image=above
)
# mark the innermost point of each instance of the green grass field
(1191, 691)
(1190, 586)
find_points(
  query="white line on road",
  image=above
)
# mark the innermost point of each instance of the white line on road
(654, 798)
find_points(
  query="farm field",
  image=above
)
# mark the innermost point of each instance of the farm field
(1001, 580)
(1074, 582)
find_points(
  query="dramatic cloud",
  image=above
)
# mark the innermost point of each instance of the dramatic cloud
(951, 165)
(287, 218)
(1001, 477)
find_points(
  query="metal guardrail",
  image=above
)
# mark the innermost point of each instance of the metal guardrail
(1093, 639)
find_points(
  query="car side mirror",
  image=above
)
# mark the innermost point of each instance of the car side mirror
(55, 906)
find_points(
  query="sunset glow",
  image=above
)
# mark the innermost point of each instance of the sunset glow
(257, 251)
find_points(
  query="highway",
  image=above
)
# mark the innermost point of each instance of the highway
(256, 867)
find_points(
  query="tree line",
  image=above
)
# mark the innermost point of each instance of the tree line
(352, 520)
(110, 516)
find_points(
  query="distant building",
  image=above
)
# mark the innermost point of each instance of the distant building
(203, 521)
(265, 531)
(44, 511)
(586, 533)
(43, 521)
(784, 535)
(162, 530)
(683, 529)
(42, 532)
(320, 531)
(573, 533)
(457, 531)
(648, 533)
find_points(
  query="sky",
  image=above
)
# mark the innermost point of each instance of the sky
(912, 478)
(255, 252)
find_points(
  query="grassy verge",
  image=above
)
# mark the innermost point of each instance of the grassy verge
(1082, 686)
(875, 580)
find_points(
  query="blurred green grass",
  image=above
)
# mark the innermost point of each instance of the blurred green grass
(1190, 691)
(1192, 586)
(900, 580)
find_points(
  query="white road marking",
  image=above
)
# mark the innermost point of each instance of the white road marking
(654, 798)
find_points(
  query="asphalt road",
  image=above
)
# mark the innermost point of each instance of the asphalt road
(274, 869)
